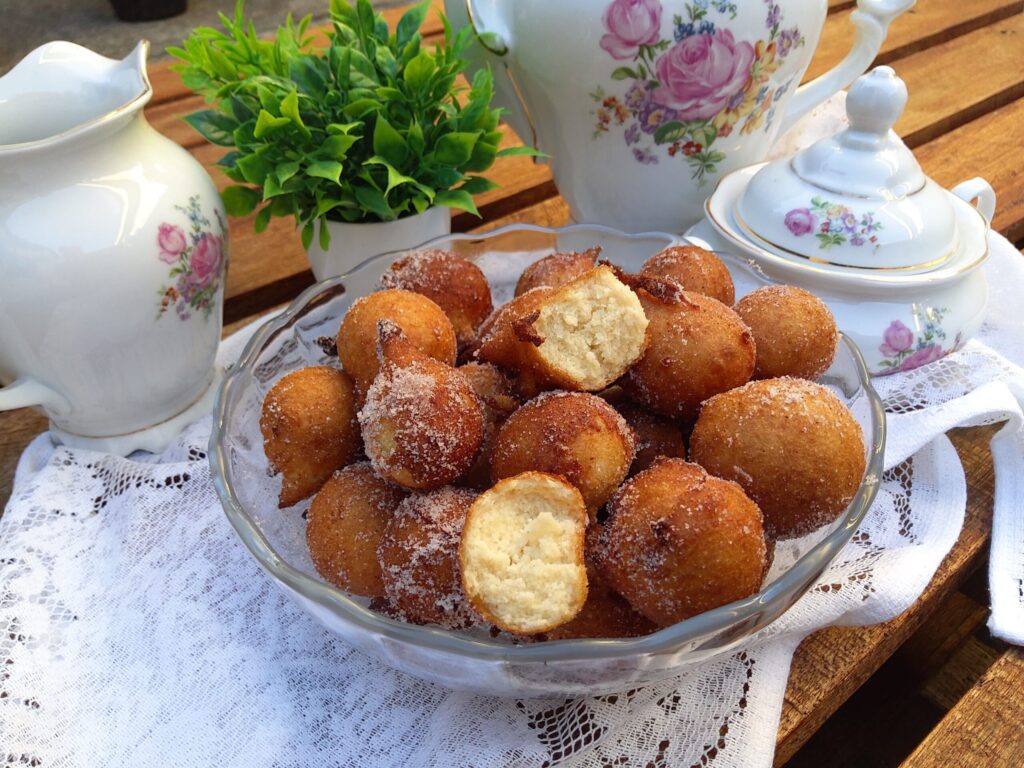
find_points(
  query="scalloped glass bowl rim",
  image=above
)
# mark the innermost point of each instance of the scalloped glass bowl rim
(662, 641)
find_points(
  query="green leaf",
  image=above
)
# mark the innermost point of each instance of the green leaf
(456, 198)
(262, 219)
(286, 170)
(290, 109)
(418, 71)
(373, 201)
(669, 132)
(213, 126)
(255, 168)
(455, 148)
(307, 235)
(483, 157)
(528, 151)
(266, 122)
(388, 143)
(337, 147)
(625, 73)
(325, 235)
(415, 139)
(270, 187)
(411, 22)
(396, 179)
(240, 201)
(361, 108)
(325, 169)
(476, 185)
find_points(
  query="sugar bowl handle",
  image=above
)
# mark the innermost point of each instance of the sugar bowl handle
(25, 393)
(871, 19)
(980, 190)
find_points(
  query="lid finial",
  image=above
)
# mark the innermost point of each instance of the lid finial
(876, 101)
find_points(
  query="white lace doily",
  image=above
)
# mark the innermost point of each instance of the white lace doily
(135, 629)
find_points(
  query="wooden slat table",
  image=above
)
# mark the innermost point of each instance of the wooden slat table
(931, 687)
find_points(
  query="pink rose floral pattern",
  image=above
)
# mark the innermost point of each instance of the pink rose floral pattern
(833, 224)
(905, 350)
(686, 93)
(197, 263)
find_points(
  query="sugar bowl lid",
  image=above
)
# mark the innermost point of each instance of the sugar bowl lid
(856, 199)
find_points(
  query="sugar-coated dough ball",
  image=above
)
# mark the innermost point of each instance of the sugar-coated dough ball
(679, 542)
(455, 284)
(497, 394)
(345, 524)
(423, 426)
(521, 553)
(422, 320)
(655, 436)
(556, 270)
(309, 429)
(793, 445)
(698, 348)
(697, 270)
(575, 435)
(794, 330)
(419, 559)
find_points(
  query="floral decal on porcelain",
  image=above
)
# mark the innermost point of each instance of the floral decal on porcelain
(197, 262)
(686, 93)
(833, 224)
(905, 350)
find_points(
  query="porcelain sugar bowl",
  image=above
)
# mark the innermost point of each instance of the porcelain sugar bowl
(854, 219)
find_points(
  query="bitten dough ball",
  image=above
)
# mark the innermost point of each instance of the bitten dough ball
(345, 524)
(522, 553)
(655, 436)
(422, 424)
(556, 270)
(794, 330)
(696, 270)
(309, 429)
(793, 446)
(575, 435)
(455, 284)
(698, 348)
(419, 559)
(422, 320)
(679, 542)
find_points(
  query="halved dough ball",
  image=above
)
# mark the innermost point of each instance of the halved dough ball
(345, 524)
(455, 284)
(425, 323)
(679, 542)
(699, 347)
(575, 435)
(309, 429)
(655, 437)
(794, 330)
(522, 553)
(793, 445)
(419, 559)
(556, 270)
(422, 424)
(695, 269)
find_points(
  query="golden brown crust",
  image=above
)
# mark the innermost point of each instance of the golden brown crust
(790, 443)
(455, 284)
(421, 319)
(794, 330)
(574, 435)
(698, 348)
(497, 336)
(345, 524)
(655, 436)
(679, 542)
(419, 559)
(498, 396)
(309, 429)
(695, 269)
(556, 270)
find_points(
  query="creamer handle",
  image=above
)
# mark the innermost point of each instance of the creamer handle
(25, 393)
(871, 19)
(980, 190)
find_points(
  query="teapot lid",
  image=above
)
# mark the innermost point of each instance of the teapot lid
(867, 159)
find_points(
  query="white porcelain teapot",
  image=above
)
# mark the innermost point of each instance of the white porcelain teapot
(112, 255)
(643, 105)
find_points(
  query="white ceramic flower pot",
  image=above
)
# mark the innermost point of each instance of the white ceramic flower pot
(352, 244)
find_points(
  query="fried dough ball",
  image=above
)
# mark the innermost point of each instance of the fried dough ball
(309, 429)
(575, 435)
(606, 613)
(582, 336)
(422, 424)
(556, 270)
(679, 542)
(698, 348)
(455, 284)
(422, 320)
(521, 553)
(419, 559)
(695, 269)
(497, 394)
(793, 445)
(794, 330)
(655, 437)
(345, 524)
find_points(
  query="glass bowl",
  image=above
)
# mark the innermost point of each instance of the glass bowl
(303, 335)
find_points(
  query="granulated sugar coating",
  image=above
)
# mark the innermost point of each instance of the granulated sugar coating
(790, 443)
(697, 270)
(419, 559)
(679, 542)
(556, 270)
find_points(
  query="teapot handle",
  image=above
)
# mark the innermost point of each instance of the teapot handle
(980, 190)
(871, 19)
(25, 393)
